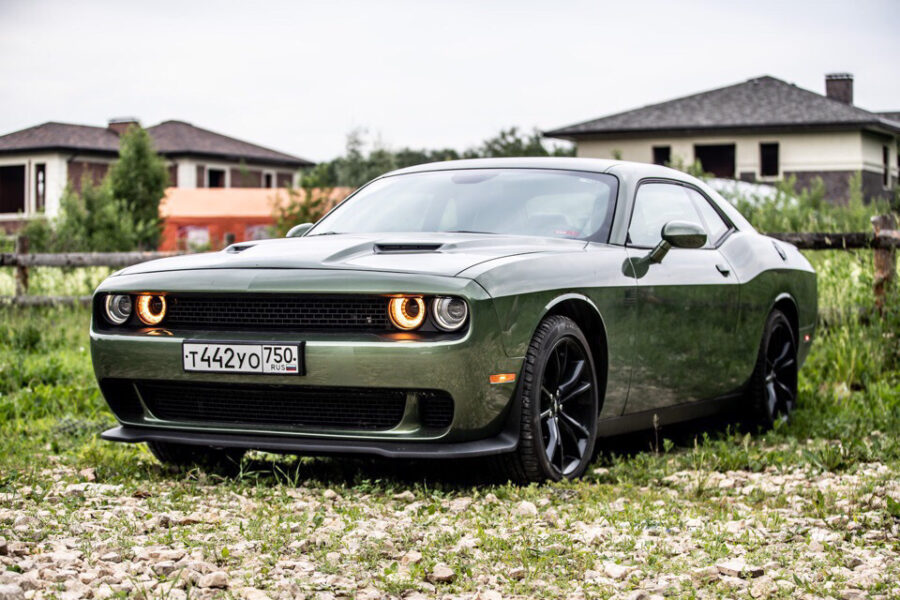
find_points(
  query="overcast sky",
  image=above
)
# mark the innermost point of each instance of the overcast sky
(297, 76)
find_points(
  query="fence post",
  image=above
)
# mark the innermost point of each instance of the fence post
(885, 269)
(21, 270)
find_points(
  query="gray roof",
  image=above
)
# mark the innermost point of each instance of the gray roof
(759, 103)
(171, 138)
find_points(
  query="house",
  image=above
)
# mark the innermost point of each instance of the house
(37, 163)
(196, 218)
(761, 130)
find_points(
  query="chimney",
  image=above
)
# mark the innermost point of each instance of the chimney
(122, 124)
(839, 86)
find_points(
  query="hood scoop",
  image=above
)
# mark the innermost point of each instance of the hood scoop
(405, 247)
(236, 248)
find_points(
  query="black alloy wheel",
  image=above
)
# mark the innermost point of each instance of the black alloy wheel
(559, 402)
(774, 384)
(566, 409)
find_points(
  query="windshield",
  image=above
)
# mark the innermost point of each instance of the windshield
(552, 203)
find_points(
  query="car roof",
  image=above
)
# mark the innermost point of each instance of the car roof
(595, 165)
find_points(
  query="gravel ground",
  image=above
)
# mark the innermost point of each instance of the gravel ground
(793, 532)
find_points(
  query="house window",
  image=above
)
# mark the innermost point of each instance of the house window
(12, 189)
(886, 164)
(662, 155)
(268, 180)
(768, 159)
(40, 187)
(717, 159)
(215, 178)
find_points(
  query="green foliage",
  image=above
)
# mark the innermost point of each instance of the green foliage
(358, 166)
(695, 168)
(139, 179)
(94, 220)
(302, 206)
(792, 210)
(513, 142)
(363, 160)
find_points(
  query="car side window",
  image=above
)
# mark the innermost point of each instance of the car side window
(716, 227)
(655, 205)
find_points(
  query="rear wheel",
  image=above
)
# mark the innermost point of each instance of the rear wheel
(222, 461)
(773, 386)
(558, 397)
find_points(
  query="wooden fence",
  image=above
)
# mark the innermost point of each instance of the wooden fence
(884, 239)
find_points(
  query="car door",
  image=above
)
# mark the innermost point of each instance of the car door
(687, 303)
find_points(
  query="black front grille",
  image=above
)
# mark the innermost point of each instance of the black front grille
(275, 405)
(275, 311)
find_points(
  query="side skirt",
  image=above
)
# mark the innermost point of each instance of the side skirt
(688, 411)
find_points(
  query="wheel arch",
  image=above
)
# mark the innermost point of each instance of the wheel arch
(586, 315)
(788, 305)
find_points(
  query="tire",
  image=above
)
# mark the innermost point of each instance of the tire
(772, 391)
(558, 427)
(221, 461)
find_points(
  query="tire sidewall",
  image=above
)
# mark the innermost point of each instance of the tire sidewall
(562, 328)
(776, 317)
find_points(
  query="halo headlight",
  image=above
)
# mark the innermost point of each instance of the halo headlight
(406, 312)
(151, 308)
(450, 313)
(118, 308)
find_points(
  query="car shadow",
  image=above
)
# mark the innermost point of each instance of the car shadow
(456, 474)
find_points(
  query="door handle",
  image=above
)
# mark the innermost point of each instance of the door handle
(725, 271)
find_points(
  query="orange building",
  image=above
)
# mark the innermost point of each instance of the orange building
(205, 218)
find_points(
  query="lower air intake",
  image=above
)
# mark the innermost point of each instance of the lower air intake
(369, 409)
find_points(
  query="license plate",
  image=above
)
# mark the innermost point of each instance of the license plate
(268, 359)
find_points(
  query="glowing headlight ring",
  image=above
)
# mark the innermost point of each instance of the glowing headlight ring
(151, 309)
(402, 313)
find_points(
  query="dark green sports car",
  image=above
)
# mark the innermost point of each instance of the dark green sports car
(512, 309)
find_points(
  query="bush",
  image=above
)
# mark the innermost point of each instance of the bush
(790, 210)
(94, 220)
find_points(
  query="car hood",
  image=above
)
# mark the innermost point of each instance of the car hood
(433, 253)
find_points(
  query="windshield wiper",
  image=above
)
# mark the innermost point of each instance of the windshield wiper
(325, 233)
(469, 231)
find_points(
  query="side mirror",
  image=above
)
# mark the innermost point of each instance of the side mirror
(299, 230)
(678, 234)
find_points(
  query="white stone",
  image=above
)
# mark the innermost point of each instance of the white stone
(732, 568)
(763, 587)
(441, 574)
(216, 579)
(11, 591)
(526, 509)
(614, 571)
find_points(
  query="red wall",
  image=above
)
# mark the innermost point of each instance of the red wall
(175, 229)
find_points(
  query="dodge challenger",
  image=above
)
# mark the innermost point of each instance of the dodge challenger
(509, 309)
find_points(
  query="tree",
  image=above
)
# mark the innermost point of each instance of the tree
(357, 166)
(93, 220)
(512, 142)
(139, 180)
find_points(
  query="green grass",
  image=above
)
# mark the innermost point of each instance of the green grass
(849, 388)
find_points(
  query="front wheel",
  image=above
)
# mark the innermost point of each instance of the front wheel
(558, 398)
(773, 386)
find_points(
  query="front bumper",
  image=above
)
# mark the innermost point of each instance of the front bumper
(505, 441)
(460, 367)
